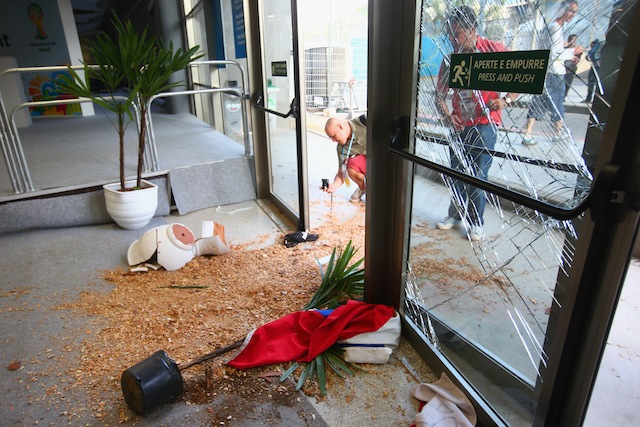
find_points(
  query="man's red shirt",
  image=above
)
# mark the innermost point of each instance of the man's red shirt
(479, 118)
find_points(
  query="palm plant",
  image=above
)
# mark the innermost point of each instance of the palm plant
(341, 281)
(150, 64)
(109, 74)
(137, 62)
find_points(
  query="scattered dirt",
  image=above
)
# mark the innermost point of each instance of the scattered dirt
(427, 261)
(209, 303)
(242, 395)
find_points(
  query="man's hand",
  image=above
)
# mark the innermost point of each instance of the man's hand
(450, 119)
(330, 189)
(333, 187)
(456, 122)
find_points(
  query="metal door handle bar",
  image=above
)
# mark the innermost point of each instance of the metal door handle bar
(542, 207)
(293, 108)
(399, 136)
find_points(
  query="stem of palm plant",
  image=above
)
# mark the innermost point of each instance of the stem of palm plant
(142, 135)
(121, 132)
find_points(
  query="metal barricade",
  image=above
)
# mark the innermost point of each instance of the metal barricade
(242, 94)
(12, 146)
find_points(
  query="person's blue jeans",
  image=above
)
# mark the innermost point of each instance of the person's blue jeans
(551, 100)
(475, 140)
(592, 84)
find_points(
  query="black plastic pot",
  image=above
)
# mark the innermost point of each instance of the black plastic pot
(157, 379)
(151, 383)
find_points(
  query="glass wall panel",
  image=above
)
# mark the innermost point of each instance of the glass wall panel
(277, 37)
(486, 277)
(201, 77)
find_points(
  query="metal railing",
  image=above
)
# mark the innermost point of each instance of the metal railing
(11, 145)
(12, 149)
(242, 94)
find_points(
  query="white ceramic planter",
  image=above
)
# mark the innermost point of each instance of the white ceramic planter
(131, 209)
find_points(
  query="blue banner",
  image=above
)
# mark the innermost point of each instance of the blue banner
(239, 37)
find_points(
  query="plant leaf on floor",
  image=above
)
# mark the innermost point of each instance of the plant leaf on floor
(341, 281)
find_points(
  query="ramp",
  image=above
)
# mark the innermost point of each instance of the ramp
(213, 184)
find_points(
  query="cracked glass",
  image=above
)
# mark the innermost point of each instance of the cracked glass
(486, 276)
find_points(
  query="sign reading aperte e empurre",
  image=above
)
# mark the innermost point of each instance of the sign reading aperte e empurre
(518, 71)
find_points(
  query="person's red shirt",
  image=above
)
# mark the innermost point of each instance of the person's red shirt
(479, 118)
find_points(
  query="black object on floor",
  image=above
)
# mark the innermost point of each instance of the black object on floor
(292, 239)
(158, 379)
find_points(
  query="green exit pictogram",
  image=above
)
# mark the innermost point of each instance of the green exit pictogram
(279, 68)
(518, 72)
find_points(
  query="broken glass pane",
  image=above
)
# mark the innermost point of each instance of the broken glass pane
(485, 276)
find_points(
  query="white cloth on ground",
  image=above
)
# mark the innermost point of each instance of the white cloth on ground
(446, 405)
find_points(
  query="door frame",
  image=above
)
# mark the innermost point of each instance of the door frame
(258, 88)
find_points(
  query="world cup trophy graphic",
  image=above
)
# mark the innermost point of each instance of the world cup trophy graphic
(37, 17)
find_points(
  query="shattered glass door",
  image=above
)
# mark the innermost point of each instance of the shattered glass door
(487, 271)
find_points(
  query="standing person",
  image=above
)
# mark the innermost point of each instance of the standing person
(475, 117)
(593, 56)
(571, 65)
(351, 139)
(552, 99)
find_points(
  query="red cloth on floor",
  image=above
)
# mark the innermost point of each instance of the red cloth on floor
(303, 335)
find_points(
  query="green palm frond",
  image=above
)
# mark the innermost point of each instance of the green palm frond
(136, 61)
(161, 63)
(322, 377)
(341, 281)
(107, 71)
(331, 357)
(148, 65)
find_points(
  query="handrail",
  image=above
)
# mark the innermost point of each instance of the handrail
(529, 202)
(548, 164)
(293, 108)
(47, 68)
(399, 137)
(28, 184)
(11, 158)
(247, 144)
(242, 94)
(225, 62)
(12, 146)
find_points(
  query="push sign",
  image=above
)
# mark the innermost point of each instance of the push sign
(518, 72)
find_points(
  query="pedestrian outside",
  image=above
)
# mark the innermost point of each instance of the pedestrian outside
(571, 65)
(594, 56)
(551, 100)
(473, 123)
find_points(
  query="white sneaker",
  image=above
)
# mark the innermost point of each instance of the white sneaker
(561, 137)
(357, 195)
(476, 233)
(448, 223)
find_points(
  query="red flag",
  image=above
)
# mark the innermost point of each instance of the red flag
(303, 335)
